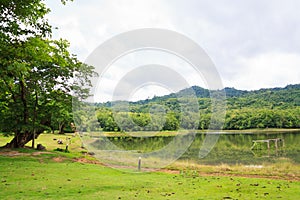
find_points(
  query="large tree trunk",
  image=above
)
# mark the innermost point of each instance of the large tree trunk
(19, 140)
(61, 128)
(23, 98)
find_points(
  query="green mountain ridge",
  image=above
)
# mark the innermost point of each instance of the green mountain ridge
(199, 92)
(263, 108)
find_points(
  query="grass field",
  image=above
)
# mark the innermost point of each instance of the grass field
(29, 174)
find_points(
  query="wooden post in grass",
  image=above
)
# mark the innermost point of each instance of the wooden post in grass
(33, 140)
(139, 164)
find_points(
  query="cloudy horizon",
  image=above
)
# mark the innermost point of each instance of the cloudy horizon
(253, 44)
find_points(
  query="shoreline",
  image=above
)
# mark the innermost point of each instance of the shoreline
(182, 132)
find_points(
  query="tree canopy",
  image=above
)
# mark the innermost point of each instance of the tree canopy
(36, 83)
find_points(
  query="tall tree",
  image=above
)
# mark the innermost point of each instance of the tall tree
(36, 72)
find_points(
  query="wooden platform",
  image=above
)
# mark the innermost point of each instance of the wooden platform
(259, 145)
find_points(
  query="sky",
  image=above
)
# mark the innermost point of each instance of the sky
(253, 44)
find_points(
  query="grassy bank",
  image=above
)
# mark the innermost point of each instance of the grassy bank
(53, 176)
(282, 168)
(30, 174)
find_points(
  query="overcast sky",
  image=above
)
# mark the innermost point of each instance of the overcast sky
(253, 43)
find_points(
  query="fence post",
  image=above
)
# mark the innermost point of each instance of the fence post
(139, 163)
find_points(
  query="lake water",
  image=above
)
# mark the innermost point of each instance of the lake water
(229, 149)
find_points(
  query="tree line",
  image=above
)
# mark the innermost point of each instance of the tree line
(237, 119)
(265, 108)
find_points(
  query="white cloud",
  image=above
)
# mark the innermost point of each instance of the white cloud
(126, 66)
(267, 70)
(253, 43)
(149, 91)
(99, 20)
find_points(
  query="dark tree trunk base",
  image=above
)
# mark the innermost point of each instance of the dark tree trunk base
(20, 140)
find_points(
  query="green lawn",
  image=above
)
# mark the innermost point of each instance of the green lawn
(56, 175)
(40, 177)
(50, 141)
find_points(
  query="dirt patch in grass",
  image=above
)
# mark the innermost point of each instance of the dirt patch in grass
(169, 171)
(85, 160)
(40, 152)
(58, 159)
(12, 153)
(224, 174)
(16, 153)
(289, 178)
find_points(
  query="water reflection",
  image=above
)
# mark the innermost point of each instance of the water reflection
(230, 148)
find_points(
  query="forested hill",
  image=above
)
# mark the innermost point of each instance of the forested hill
(273, 96)
(264, 108)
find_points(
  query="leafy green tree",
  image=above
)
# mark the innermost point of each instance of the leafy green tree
(172, 122)
(36, 72)
(106, 120)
